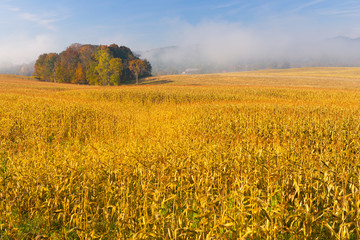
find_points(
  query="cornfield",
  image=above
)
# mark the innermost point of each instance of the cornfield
(178, 162)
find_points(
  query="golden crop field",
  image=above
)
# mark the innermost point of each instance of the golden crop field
(255, 155)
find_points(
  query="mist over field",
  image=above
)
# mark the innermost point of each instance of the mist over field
(226, 48)
(200, 36)
(214, 47)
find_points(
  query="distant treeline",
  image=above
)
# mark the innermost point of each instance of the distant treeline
(91, 64)
(21, 69)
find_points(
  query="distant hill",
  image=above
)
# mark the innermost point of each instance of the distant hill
(345, 40)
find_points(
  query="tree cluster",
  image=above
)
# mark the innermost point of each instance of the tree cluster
(91, 64)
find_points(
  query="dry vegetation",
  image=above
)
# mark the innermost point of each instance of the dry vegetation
(183, 162)
(303, 77)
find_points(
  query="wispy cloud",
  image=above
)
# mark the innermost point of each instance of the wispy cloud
(353, 11)
(239, 9)
(44, 20)
(307, 5)
(226, 5)
(14, 9)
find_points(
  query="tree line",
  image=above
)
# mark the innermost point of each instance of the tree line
(91, 64)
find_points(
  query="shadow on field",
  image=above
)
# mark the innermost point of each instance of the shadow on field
(155, 81)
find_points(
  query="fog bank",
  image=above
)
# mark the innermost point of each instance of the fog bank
(220, 47)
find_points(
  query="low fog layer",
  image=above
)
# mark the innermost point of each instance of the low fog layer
(214, 47)
(210, 47)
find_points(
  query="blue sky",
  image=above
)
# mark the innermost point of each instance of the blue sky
(31, 27)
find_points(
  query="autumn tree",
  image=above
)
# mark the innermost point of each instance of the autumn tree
(116, 68)
(103, 67)
(79, 76)
(67, 64)
(45, 66)
(92, 77)
(121, 52)
(88, 62)
(148, 68)
(137, 67)
(126, 55)
(91, 64)
(39, 66)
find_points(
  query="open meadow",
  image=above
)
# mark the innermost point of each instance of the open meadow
(270, 154)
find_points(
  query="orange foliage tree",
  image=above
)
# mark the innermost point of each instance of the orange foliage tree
(91, 64)
(79, 75)
(137, 67)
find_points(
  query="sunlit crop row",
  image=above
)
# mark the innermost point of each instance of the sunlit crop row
(176, 162)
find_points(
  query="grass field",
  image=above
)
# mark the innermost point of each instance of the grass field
(255, 155)
(303, 77)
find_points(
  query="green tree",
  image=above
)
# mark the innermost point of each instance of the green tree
(92, 76)
(103, 68)
(116, 68)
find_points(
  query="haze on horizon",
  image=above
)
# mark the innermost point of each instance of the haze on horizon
(221, 31)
